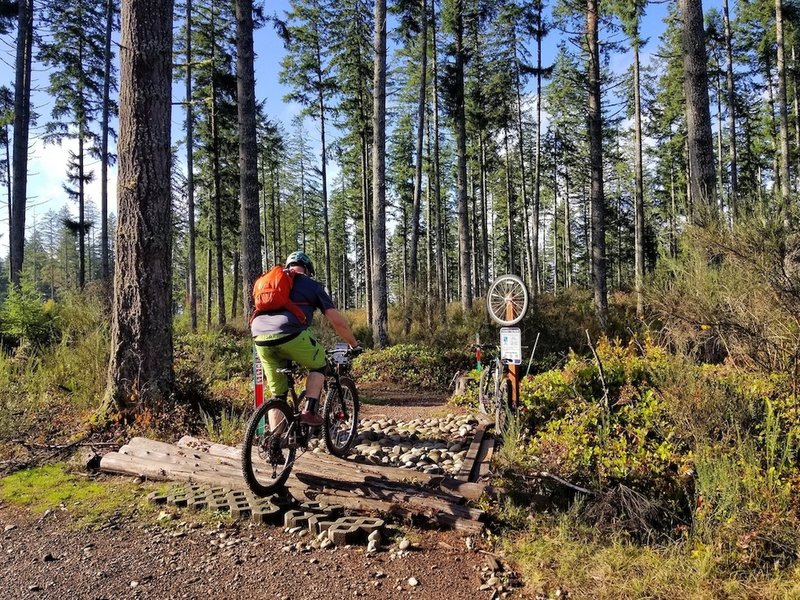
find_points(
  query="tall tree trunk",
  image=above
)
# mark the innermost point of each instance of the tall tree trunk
(509, 208)
(234, 303)
(734, 176)
(248, 155)
(567, 240)
(104, 141)
(638, 210)
(209, 273)
(81, 211)
(417, 202)
(140, 367)
(22, 118)
(783, 111)
(461, 160)
(192, 274)
(598, 246)
(441, 243)
(367, 224)
(324, 176)
(523, 174)
(7, 146)
(702, 179)
(380, 332)
(484, 211)
(217, 176)
(537, 182)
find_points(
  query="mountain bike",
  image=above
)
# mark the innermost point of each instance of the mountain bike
(275, 434)
(494, 391)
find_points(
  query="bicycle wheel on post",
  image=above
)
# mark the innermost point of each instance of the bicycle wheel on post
(507, 300)
(267, 452)
(341, 417)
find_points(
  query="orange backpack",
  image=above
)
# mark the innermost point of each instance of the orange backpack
(271, 292)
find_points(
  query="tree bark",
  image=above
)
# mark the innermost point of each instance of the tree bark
(324, 174)
(22, 118)
(140, 368)
(639, 182)
(441, 244)
(461, 159)
(783, 112)
(734, 176)
(380, 332)
(598, 244)
(217, 176)
(248, 155)
(702, 178)
(417, 202)
(104, 142)
(190, 172)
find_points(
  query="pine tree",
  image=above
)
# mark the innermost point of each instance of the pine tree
(306, 69)
(248, 154)
(22, 119)
(77, 56)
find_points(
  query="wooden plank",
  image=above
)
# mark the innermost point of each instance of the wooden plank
(483, 470)
(133, 465)
(353, 471)
(220, 450)
(474, 448)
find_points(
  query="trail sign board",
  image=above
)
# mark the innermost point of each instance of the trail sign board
(511, 345)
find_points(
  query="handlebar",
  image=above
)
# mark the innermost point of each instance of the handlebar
(349, 353)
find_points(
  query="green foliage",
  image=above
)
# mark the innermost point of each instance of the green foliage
(711, 445)
(226, 429)
(411, 365)
(25, 318)
(53, 486)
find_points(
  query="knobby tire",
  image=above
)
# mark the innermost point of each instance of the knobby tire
(341, 402)
(259, 480)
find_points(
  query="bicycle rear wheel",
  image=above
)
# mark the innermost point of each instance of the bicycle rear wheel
(502, 406)
(487, 390)
(341, 417)
(268, 450)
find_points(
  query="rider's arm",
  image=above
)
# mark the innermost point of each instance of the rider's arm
(341, 326)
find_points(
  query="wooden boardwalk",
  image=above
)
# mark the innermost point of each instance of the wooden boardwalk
(359, 487)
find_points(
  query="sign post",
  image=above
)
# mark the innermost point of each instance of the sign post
(511, 354)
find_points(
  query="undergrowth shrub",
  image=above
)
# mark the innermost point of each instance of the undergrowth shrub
(411, 365)
(711, 446)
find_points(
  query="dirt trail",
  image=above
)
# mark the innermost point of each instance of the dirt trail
(51, 558)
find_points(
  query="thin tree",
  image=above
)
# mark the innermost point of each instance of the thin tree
(461, 160)
(108, 109)
(248, 153)
(140, 367)
(22, 119)
(598, 250)
(380, 332)
(702, 176)
(192, 267)
(783, 111)
(734, 176)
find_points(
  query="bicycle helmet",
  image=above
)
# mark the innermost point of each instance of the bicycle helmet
(300, 258)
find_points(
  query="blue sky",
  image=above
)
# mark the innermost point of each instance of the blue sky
(47, 165)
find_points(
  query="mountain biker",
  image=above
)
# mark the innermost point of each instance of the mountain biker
(281, 337)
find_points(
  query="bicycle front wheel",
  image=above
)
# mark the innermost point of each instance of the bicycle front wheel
(341, 417)
(268, 451)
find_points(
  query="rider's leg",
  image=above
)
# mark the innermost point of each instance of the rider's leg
(278, 383)
(308, 353)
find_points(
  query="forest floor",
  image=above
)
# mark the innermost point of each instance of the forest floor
(143, 554)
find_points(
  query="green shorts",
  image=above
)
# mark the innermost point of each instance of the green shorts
(303, 350)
